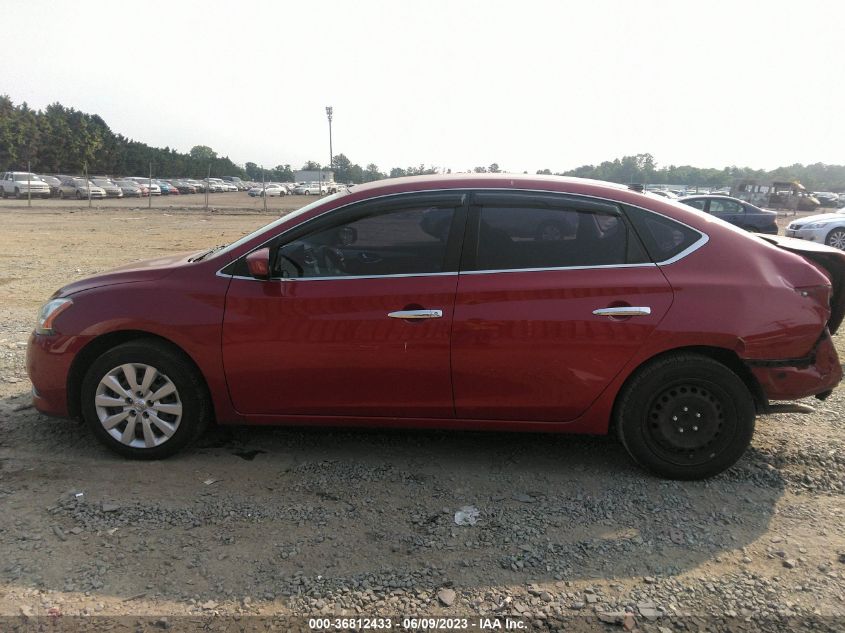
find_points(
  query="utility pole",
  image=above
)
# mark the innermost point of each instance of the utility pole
(207, 186)
(87, 183)
(150, 188)
(263, 189)
(28, 184)
(329, 113)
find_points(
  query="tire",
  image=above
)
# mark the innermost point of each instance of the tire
(17, 193)
(185, 412)
(685, 416)
(836, 238)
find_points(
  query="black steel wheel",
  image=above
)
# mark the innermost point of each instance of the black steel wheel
(685, 416)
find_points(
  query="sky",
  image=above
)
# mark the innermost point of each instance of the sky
(526, 84)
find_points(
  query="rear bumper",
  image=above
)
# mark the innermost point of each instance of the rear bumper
(792, 379)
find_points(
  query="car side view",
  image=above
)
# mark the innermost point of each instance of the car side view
(738, 212)
(495, 301)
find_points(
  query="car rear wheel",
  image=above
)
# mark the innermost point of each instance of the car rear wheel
(836, 239)
(145, 400)
(685, 416)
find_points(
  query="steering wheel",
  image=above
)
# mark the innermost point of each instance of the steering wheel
(332, 260)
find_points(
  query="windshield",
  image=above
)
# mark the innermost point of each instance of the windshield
(284, 218)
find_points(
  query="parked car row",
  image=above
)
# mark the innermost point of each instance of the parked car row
(21, 184)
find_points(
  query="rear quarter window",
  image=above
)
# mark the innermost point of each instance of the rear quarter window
(662, 237)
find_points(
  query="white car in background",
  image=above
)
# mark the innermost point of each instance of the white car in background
(270, 190)
(825, 228)
(155, 190)
(21, 184)
(310, 189)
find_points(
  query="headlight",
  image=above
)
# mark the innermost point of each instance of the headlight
(817, 225)
(48, 313)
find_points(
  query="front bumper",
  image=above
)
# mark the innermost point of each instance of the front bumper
(48, 363)
(799, 378)
(811, 235)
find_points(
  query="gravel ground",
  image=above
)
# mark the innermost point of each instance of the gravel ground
(315, 522)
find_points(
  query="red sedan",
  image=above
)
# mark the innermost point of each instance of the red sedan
(475, 302)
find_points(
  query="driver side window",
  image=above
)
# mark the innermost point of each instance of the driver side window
(402, 241)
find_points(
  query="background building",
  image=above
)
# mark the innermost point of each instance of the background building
(313, 175)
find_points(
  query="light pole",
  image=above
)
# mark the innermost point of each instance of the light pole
(329, 111)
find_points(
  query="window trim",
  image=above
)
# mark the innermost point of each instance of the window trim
(546, 200)
(446, 198)
(704, 239)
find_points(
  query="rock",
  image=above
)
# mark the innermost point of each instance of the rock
(211, 604)
(110, 507)
(591, 598)
(577, 606)
(524, 498)
(546, 596)
(650, 580)
(842, 557)
(650, 614)
(789, 563)
(446, 596)
(612, 617)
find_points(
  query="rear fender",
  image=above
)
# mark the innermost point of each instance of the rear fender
(832, 263)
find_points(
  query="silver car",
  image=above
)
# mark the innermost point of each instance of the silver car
(111, 189)
(827, 228)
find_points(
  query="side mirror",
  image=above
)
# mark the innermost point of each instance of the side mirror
(258, 263)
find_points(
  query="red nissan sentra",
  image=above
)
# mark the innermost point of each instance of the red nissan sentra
(474, 302)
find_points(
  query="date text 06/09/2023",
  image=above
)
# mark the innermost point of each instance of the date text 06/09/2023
(416, 624)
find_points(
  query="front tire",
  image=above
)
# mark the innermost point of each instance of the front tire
(145, 400)
(685, 416)
(836, 239)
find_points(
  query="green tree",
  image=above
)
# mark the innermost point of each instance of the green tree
(202, 153)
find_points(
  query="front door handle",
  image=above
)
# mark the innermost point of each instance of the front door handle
(416, 314)
(623, 311)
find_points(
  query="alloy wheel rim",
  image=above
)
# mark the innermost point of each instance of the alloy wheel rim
(138, 405)
(837, 240)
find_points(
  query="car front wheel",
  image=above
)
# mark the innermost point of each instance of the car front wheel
(836, 239)
(685, 416)
(145, 400)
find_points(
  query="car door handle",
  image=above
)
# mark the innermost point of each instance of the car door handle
(623, 311)
(416, 314)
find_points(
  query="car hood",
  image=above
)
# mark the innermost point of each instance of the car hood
(820, 218)
(145, 270)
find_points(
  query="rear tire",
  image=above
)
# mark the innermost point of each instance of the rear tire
(685, 416)
(145, 400)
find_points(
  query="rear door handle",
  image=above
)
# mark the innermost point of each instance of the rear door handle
(416, 314)
(623, 311)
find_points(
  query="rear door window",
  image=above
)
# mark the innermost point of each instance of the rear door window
(513, 236)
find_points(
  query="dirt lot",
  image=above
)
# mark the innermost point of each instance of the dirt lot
(290, 522)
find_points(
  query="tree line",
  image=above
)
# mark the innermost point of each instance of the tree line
(59, 139)
(642, 168)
